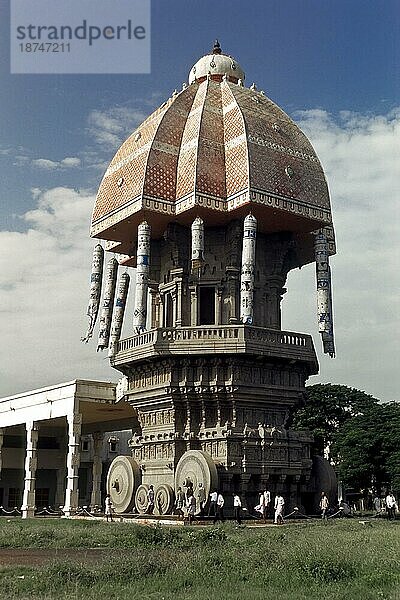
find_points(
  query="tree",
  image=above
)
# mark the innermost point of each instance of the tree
(327, 408)
(363, 435)
(367, 448)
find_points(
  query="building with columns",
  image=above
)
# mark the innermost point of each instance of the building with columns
(56, 444)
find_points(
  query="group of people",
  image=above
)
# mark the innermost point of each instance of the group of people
(187, 504)
(264, 507)
(386, 504)
(217, 503)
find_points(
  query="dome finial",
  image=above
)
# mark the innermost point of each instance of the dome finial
(217, 48)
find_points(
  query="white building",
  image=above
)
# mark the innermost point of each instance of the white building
(56, 444)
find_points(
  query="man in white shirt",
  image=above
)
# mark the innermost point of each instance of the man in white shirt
(190, 507)
(279, 506)
(324, 504)
(201, 499)
(266, 504)
(391, 506)
(219, 513)
(237, 508)
(213, 503)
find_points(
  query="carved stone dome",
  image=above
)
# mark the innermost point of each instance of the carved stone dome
(216, 65)
(215, 149)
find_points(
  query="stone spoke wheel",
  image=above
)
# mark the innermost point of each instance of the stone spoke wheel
(164, 499)
(123, 478)
(195, 467)
(141, 498)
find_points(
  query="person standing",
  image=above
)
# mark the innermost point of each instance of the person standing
(150, 500)
(179, 501)
(261, 504)
(108, 508)
(237, 508)
(279, 506)
(377, 505)
(324, 504)
(212, 509)
(391, 506)
(190, 507)
(219, 509)
(201, 499)
(266, 504)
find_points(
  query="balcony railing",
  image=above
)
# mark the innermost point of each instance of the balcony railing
(222, 339)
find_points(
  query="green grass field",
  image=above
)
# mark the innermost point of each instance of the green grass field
(337, 560)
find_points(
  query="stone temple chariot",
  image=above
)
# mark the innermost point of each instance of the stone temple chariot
(213, 199)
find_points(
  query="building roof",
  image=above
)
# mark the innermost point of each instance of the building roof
(216, 148)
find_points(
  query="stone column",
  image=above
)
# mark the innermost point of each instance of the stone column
(158, 311)
(274, 295)
(248, 270)
(118, 313)
(174, 297)
(218, 306)
(178, 320)
(153, 300)
(142, 276)
(193, 306)
(60, 487)
(197, 231)
(233, 278)
(73, 461)
(324, 293)
(95, 499)
(28, 503)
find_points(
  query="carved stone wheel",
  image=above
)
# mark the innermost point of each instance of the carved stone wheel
(123, 478)
(164, 499)
(195, 467)
(141, 498)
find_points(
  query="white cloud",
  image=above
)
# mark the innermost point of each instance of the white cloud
(44, 274)
(109, 128)
(52, 165)
(45, 163)
(70, 162)
(360, 157)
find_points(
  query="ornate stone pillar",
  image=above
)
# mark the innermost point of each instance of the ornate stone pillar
(158, 311)
(174, 297)
(95, 499)
(233, 278)
(218, 305)
(324, 293)
(248, 270)
(73, 461)
(153, 298)
(28, 503)
(193, 306)
(197, 231)
(60, 487)
(274, 295)
(142, 276)
(178, 320)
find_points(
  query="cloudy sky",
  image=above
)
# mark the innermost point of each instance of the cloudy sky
(332, 66)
